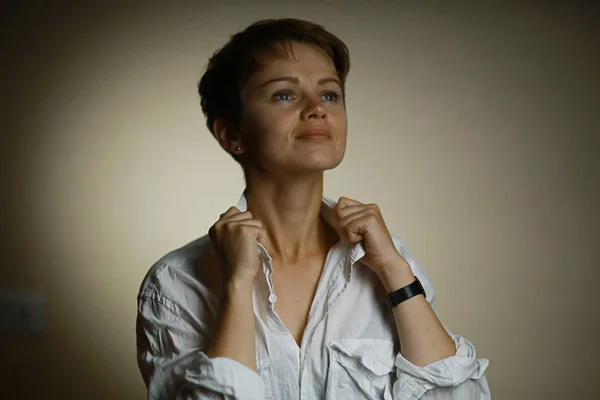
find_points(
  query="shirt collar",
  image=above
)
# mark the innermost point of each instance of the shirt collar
(357, 250)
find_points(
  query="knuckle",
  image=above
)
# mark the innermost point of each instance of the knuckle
(245, 229)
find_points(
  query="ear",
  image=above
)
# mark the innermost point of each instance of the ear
(228, 136)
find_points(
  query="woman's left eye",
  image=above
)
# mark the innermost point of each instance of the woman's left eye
(331, 96)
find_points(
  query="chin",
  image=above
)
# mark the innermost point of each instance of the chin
(320, 162)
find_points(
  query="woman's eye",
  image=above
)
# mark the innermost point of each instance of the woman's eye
(331, 96)
(282, 96)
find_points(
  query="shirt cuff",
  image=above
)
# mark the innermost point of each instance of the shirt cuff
(223, 375)
(450, 371)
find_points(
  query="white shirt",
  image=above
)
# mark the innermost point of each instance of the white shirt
(349, 349)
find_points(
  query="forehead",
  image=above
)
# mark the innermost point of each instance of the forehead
(301, 60)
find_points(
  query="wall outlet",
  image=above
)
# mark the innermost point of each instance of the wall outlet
(22, 312)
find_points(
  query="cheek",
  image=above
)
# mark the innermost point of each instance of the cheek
(277, 123)
(340, 124)
(269, 130)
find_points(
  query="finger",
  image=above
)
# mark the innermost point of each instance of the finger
(247, 222)
(345, 211)
(260, 232)
(345, 202)
(347, 220)
(234, 227)
(260, 237)
(241, 216)
(231, 211)
(355, 225)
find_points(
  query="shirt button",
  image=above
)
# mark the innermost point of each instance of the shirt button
(272, 298)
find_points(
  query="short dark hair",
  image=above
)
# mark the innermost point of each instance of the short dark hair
(230, 67)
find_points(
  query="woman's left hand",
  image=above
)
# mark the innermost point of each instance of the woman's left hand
(360, 221)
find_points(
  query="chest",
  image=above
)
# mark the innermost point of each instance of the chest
(352, 349)
(295, 289)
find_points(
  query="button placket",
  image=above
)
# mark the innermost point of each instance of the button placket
(338, 282)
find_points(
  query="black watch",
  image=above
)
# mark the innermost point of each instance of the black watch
(405, 293)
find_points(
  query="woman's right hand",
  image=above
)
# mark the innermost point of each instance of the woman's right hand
(235, 236)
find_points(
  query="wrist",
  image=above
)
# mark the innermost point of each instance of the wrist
(396, 275)
(239, 284)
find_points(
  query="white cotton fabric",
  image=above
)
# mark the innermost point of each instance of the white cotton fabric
(349, 350)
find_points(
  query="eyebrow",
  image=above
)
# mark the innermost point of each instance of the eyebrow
(296, 81)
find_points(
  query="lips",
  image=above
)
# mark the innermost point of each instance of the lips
(314, 137)
(315, 134)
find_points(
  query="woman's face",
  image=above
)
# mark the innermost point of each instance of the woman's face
(293, 115)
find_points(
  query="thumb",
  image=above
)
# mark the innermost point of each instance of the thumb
(346, 201)
(341, 204)
(355, 235)
(261, 236)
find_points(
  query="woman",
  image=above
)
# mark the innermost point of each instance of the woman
(292, 295)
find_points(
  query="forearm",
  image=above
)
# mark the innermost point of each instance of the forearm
(234, 338)
(423, 338)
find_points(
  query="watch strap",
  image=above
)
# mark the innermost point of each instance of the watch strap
(405, 293)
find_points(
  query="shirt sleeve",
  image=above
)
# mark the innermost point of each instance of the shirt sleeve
(461, 376)
(174, 365)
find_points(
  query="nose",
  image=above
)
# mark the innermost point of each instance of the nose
(314, 110)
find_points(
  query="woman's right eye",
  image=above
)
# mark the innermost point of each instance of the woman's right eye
(283, 96)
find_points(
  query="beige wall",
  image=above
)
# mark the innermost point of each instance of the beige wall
(475, 128)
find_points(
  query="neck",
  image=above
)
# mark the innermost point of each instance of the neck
(290, 213)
